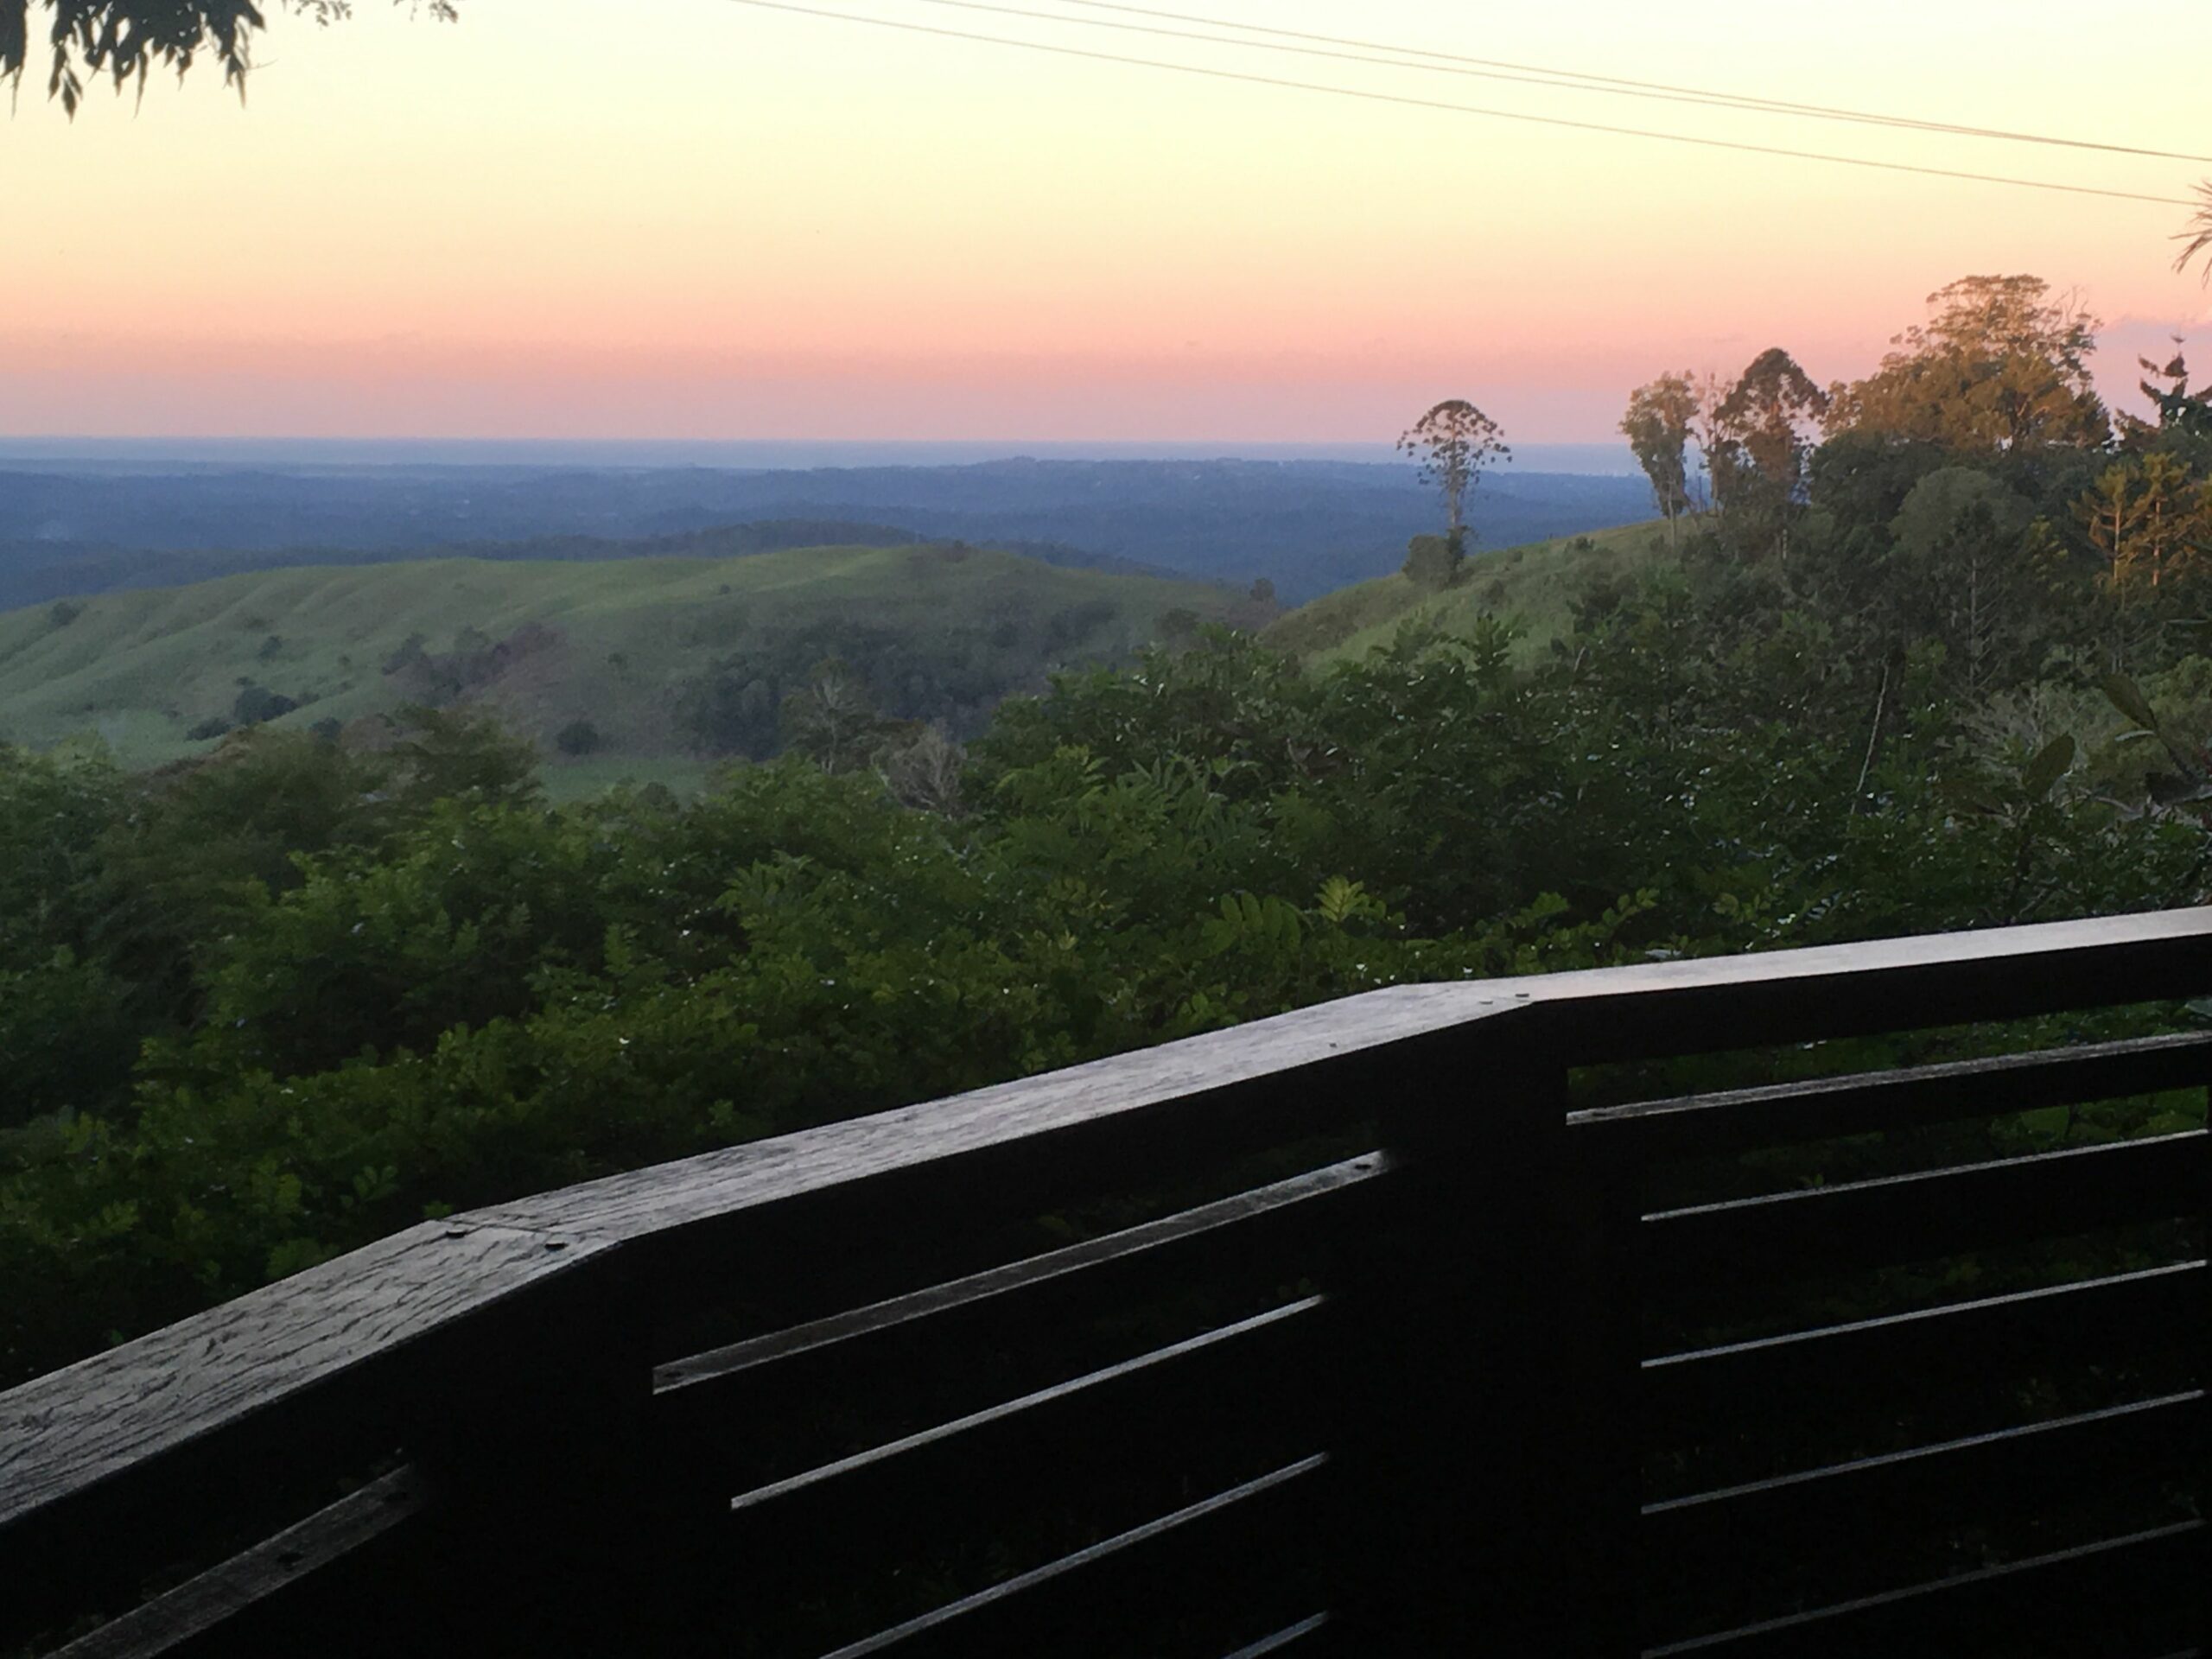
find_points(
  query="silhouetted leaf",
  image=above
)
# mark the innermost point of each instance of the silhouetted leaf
(2049, 766)
(2128, 698)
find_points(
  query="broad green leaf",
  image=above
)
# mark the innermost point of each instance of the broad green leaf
(2050, 765)
(2128, 698)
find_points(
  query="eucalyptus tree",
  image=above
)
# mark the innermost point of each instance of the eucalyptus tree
(1659, 420)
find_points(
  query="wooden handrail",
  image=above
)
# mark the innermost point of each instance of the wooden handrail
(380, 1334)
(67, 1432)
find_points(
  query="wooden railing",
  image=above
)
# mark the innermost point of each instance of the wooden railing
(1408, 1325)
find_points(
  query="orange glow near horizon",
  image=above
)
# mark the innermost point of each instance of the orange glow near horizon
(738, 223)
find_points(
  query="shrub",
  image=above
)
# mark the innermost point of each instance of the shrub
(1434, 562)
(409, 653)
(577, 737)
(258, 703)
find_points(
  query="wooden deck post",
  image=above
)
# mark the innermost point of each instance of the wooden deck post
(1489, 1461)
(546, 1479)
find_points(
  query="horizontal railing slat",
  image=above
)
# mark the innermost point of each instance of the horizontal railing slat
(1144, 1412)
(1858, 1511)
(1303, 1637)
(1209, 1555)
(2114, 1599)
(220, 1601)
(713, 1404)
(1878, 1364)
(1145, 1243)
(1785, 1114)
(1081, 1458)
(1811, 1231)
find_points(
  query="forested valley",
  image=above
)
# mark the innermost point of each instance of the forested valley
(1922, 651)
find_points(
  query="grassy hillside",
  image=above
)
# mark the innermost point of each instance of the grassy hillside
(652, 653)
(39, 572)
(1535, 583)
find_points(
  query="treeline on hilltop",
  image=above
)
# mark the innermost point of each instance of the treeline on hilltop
(1927, 657)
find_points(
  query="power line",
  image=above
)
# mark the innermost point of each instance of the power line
(1544, 75)
(1412, 102)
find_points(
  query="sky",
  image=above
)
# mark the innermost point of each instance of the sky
(709, 219)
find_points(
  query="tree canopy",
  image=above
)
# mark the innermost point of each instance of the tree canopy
(125, 41)
(2001, 365)
(1660, 419)
(1453, 442)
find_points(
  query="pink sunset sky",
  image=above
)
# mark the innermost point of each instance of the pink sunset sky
(701, 218)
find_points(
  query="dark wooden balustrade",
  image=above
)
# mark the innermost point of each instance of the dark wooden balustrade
(1431, 1321)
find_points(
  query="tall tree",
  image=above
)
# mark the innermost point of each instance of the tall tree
(1761, 437)
(2150, 522)
(1660, 419)
(125, 40)
(2001, 365)
(2148, 518)
(1454, 442)
(833, 721)
(1963, 570)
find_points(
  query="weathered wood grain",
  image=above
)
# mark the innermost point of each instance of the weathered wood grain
(73, 1430)
(1188, 1078)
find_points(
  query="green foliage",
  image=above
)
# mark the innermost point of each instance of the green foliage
(577, 737)
(256, 703)
(1433, 563)
(1178, 626)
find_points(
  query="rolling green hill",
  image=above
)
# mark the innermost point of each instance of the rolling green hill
(667, 659)
(1535, 583)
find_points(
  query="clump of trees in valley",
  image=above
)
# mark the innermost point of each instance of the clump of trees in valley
(1928, 657)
